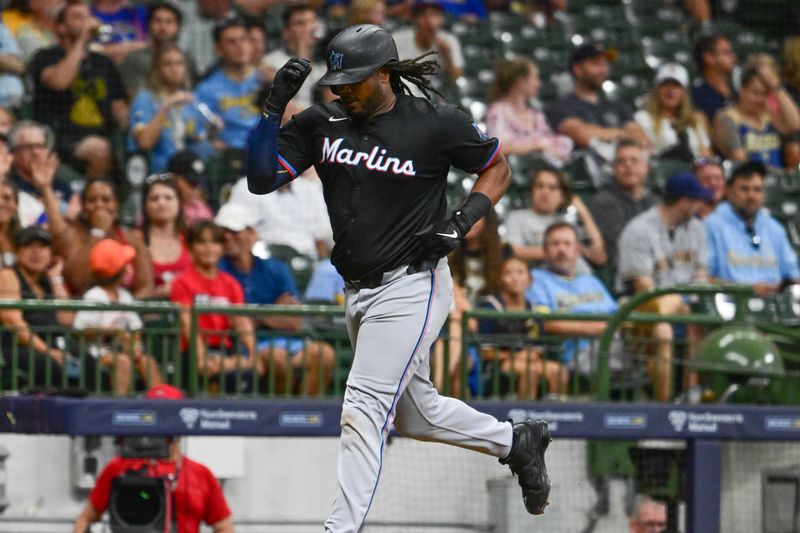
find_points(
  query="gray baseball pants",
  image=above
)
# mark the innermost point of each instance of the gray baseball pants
(392, 328)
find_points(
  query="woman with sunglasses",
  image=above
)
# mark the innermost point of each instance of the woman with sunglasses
(163, 230)
(164, 116)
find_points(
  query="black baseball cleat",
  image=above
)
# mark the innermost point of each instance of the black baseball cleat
(526, 461)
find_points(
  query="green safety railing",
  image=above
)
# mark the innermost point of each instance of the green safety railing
(325, 324)
(627, 312)
(336, 335)
(602, 383)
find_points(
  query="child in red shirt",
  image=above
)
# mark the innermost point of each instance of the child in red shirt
(203, 283)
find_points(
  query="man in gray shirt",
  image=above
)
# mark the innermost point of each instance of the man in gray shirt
(625, 197)
(665, 245)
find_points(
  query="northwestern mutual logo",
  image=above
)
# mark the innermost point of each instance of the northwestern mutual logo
(336, 60)
(677, 419)
(332, 152)
(189, 416)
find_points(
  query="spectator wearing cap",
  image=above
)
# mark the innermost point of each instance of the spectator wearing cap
(662, 247)
(745, 243)
(164, 20)
(163, 231)
(230, 90)
(747, 130)
(627, 195)
(32, 339)
(204, 283)
(586, 115)
(675, 129)
(114, 337)
(197, 495)
(301, 33)
(29, 147)
(715, 60)
(427, 35)
(189, 172)
(296, 216)
(76, 91)
(711, 175)
(9, 222)
(164, 116)
(267, 282)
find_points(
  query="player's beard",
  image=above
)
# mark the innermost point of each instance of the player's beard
(368, 106)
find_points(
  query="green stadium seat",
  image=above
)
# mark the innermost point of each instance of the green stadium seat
(500, 21)
(579, 174)
(300, 265)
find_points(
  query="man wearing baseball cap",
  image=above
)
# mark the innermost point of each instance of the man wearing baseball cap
(197, 496)
(586, 115)
(269, 281)
(663, 246)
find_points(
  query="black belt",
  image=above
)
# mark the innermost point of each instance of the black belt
(367, 282)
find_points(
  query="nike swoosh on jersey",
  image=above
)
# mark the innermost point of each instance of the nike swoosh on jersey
(453, 235)
(336, 119)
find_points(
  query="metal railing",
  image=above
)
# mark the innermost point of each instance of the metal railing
(469, 364)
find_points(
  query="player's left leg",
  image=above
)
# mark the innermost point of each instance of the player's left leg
(423, 414)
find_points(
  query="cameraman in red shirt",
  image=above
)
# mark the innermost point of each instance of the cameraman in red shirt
(197, 495)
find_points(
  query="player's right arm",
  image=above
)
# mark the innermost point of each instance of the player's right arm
(266, 169)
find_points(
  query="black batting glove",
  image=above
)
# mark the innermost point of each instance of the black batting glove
(442, 237)
(287, 82)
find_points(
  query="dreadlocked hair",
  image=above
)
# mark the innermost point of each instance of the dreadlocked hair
(414, 71)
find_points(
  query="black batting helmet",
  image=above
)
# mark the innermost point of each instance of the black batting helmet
(356, 52)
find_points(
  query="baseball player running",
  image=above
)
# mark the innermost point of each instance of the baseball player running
(383, 157)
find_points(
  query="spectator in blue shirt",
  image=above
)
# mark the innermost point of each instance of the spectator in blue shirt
(230, 90)
(11, 68)
(325, 285)
(557, 288)
(127, 27)
(164, 116)
(745, 243)
(269, 281)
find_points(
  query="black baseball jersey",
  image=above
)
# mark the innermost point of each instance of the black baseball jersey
(385, 179)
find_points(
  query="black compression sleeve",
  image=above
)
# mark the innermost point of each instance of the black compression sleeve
(475, 207)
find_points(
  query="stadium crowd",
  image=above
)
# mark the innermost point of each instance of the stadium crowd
(93, 93)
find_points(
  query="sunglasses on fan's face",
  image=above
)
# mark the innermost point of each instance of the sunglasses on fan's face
(163, 176)
(703, 161)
